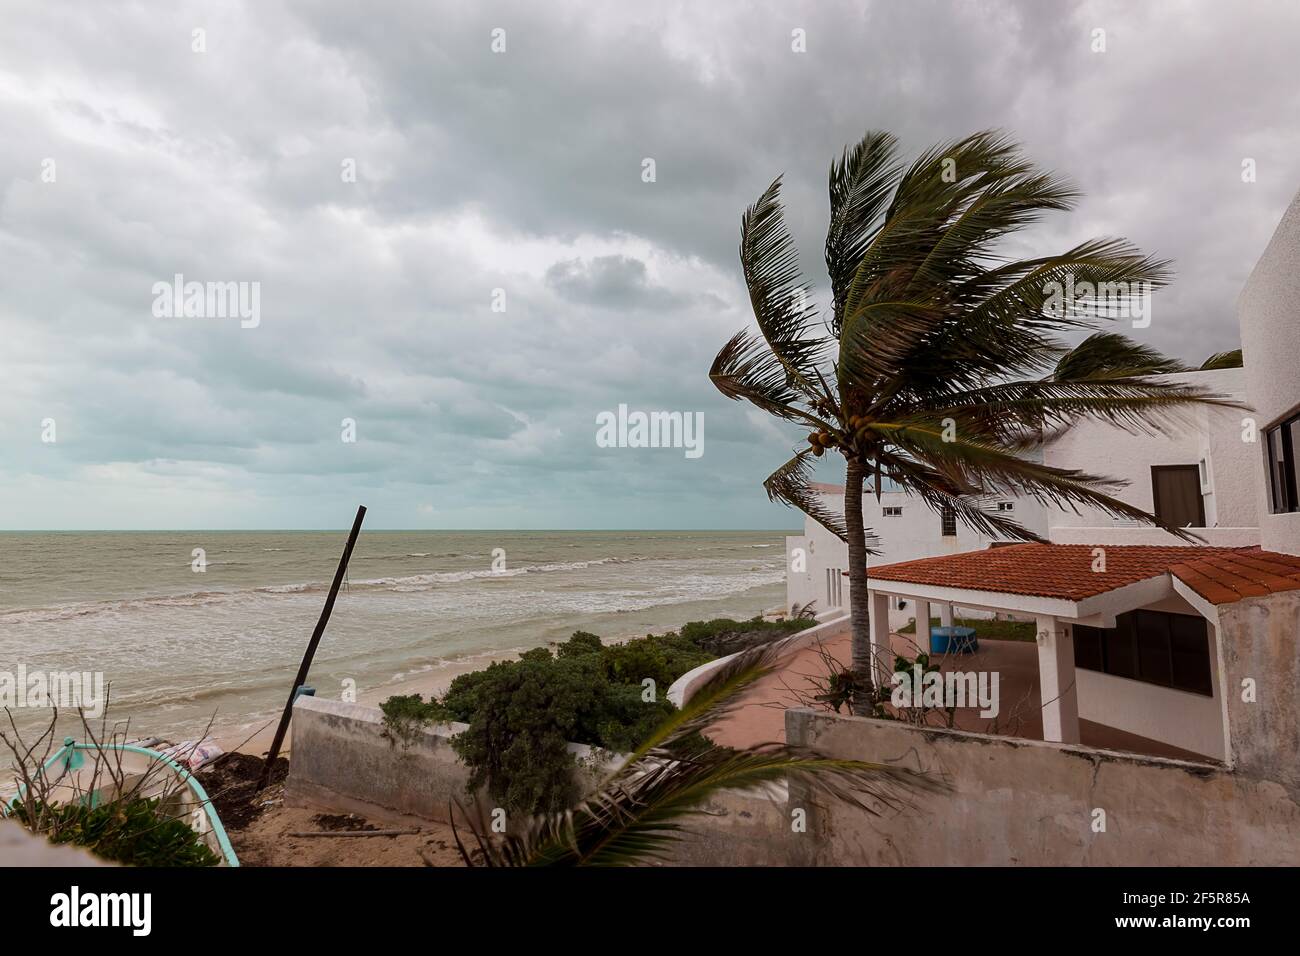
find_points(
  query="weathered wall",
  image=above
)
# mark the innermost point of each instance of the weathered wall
(1011, 801)
(1261, 643)
(739, 829)
(1019, 802)
(341, 762)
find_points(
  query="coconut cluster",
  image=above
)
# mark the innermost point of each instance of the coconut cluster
(823, 440)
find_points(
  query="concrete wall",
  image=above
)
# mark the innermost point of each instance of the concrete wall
(739, 829)
(1019, 802)
(341, 760)
(1268, 312)
(1261, 643)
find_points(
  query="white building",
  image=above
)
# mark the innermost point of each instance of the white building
(1201, 475)
(1192, 645)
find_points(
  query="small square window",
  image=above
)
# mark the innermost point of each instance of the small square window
(892, 512)
(1006, 506)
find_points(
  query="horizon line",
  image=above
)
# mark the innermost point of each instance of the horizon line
(388, 530)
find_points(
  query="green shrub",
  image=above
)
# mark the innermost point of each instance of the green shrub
(522, 714)
(582, 642)
(527, 712)
(629, 718)
(406, 716)
(662, 659)
(723, 636)
(132, 831)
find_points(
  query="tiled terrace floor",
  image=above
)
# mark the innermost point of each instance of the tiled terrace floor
(761, 716)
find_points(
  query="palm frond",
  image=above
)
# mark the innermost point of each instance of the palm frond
(746, 369)
(1012, 411)
(968, 503)
(1111, 355)
(1218, 360)
(789, 485)
(992, 469)
(861, 182)
(780, 299)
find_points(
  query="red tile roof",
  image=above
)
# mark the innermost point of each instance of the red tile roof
(1065, 571)
(1246, 572)
(825, 488)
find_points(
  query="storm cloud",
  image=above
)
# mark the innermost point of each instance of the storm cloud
(458, 249)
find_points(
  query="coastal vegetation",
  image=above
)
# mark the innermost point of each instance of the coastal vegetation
(935, 364)
(523, 714)
(134, 831)
(639, 809)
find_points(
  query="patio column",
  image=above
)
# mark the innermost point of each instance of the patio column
(1056, 684)
(882, 654)
(923, 627)
(945, 615)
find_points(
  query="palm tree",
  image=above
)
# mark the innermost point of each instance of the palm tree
(637, 812)
(928, 367)
(1220, 360)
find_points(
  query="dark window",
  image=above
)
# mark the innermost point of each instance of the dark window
(1120, 647)
(1292, 430)
(1087, 648)
(1153, 648)
(1177, 493)
(1172, 650)
(1281, 443)
(1189, 650)
(948, 520)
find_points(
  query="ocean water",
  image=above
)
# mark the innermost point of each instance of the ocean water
(178, 646)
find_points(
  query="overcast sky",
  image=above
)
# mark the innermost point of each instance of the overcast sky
(127, 157)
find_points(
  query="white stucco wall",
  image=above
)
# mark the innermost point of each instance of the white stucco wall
(917, 533)
(1268, 312)
(1235, 465)
(1235, 470)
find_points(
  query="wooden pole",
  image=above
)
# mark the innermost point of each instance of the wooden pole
(311, 650)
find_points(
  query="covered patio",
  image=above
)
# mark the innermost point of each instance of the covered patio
(761, 718)
(1127, 653)
(1127, 636)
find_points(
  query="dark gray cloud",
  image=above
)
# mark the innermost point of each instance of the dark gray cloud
(521, 171)
(611, 282)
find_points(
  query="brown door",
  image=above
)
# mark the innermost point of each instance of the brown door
(1177, 492)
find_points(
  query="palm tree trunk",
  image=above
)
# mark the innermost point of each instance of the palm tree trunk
(859, 600)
